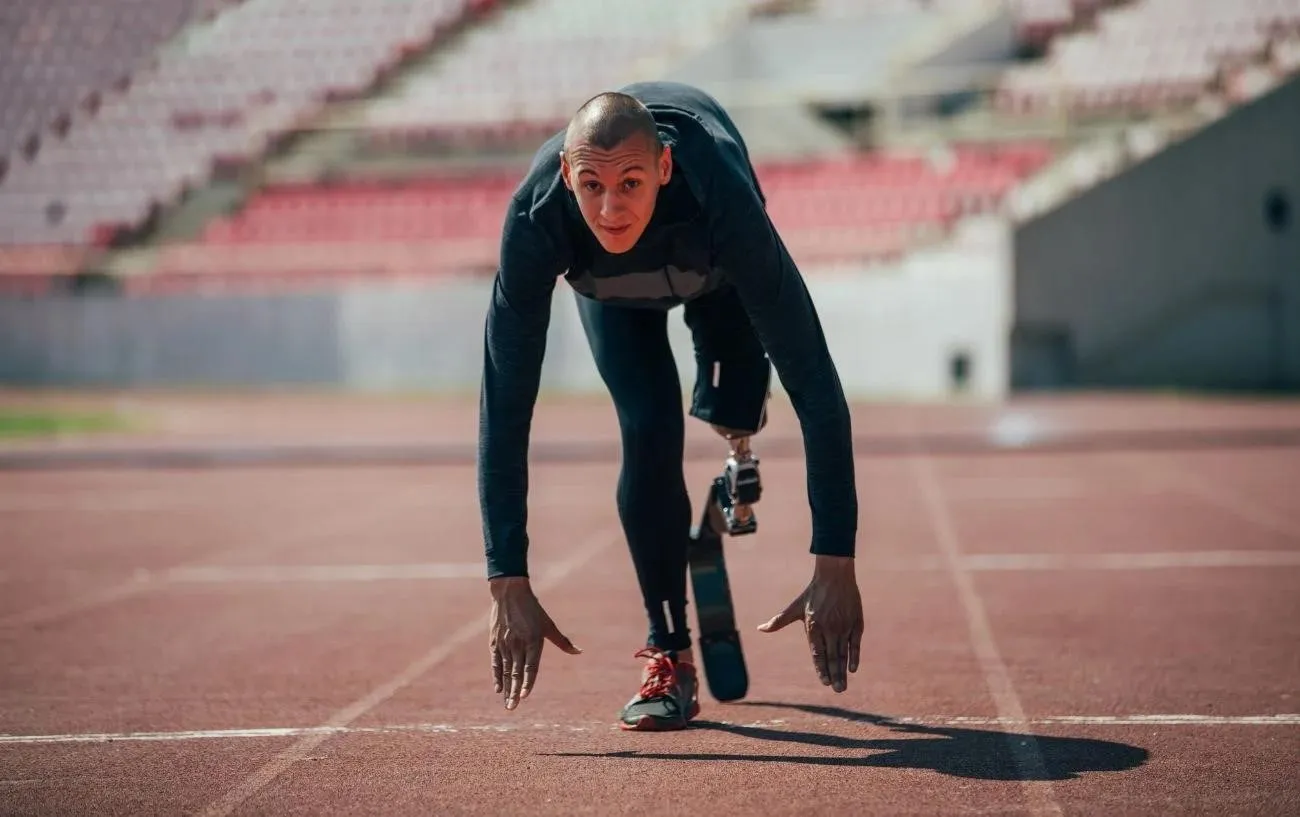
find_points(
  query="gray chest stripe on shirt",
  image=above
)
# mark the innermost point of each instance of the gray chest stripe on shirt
(666, 283)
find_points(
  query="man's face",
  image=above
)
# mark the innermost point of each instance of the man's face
(616, 189)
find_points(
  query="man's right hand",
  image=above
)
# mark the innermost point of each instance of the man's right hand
(518, 627)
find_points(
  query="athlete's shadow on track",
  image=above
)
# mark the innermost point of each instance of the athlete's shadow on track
(981, 754)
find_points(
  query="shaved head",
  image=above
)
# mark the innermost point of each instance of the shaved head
(607, 120)
(614, 163)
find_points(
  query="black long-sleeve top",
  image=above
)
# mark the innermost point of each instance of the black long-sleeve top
(710, 228)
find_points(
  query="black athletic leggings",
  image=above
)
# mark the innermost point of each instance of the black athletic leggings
(635, 360)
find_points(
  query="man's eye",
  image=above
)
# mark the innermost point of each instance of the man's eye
(631, 184)
(592, 187)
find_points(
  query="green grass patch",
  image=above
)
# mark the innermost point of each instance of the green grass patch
(47, 423)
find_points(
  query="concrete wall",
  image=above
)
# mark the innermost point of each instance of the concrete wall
(173, 340)
(893, 333)
(1170, 273)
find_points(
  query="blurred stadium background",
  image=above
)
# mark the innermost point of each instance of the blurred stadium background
(986, 196)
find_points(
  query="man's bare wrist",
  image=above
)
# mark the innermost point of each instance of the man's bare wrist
(502, 585)
(833, 566)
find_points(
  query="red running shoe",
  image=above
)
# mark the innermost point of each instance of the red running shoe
(668, 698)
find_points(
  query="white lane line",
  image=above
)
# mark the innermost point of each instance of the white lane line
(475, 628)
(1012, 489)
(1157, 560)
(317, 527)
(444, 571)
(1155, 719)
(276, 574)
(151, 500)
(55, 610)
(1290, 719)
(1215, 494)
(1024, 748)
(70, 502)
(298, 731)
(1175, 720)
(1130, 561)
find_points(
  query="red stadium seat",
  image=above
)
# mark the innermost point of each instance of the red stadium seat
(844, 208)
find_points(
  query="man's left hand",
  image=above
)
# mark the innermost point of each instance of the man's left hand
(831, 609)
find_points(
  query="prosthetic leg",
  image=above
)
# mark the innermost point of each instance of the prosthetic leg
(743, 488)
(728, 509)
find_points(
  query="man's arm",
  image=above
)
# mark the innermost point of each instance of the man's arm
(751, 254)
(518, 317)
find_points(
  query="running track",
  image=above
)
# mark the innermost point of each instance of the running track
(1103, 627)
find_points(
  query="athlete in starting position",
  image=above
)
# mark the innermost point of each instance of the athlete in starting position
(645, 202)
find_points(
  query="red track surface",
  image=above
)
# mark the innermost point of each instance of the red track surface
(277, 640)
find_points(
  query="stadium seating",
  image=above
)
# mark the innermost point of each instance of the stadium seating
(1037, 21)
(524, 74)
(855, 207)
(1149, 55)
(58, 58)
(131, 115)
(236, 82)
(528, 70)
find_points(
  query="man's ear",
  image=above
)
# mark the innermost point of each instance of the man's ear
(665, 165)
(564, 170)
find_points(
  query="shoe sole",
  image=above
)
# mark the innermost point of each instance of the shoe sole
(649, 723)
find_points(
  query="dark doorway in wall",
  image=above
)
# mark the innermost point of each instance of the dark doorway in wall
(1277, 218)
(1277, 210)
(959, 371)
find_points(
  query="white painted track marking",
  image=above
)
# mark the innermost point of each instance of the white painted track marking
(1159, 719)
(475, 628)
(1024, 748)
(981, 562)
(443, 571)
(325, 525)
(1214, 494)
(283, 574)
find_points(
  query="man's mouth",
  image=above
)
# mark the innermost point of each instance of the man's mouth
(616, 230)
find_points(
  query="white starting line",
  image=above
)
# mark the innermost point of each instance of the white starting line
(444, 571)
(277, 574)
(1156, 560)
(605, 726)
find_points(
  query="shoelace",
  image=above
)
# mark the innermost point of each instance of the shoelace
(661, 674)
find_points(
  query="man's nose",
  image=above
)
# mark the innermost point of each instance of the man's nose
(610, 205)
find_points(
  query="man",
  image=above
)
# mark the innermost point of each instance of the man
(647, 201)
